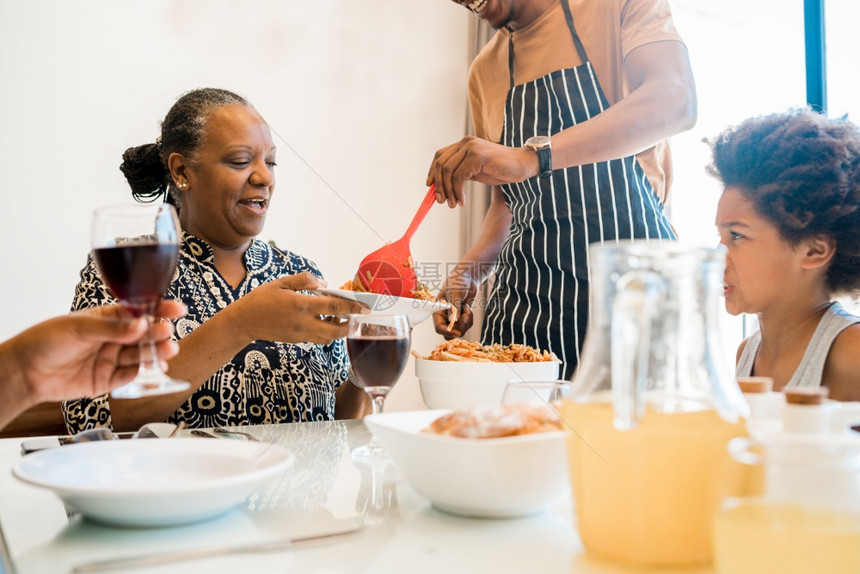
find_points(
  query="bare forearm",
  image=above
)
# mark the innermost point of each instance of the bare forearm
(15, 394)
(628, 128)
(209, 347)
(201, 354)
(661, 104)
(483, 254)
(351, 402)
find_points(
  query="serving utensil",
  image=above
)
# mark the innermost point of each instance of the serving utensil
(88, 435)
(148, 560)
(389, 270)
(234, 433)
(149, 430)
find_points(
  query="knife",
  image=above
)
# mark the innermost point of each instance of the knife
(181, 555)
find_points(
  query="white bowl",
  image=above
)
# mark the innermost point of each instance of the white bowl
(488, 478)
(464, 384)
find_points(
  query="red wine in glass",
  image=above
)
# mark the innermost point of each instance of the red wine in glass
(378, 361)
(136, 249)
(138, 274)
(378, 347)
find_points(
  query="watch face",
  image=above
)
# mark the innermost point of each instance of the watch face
(537, 142)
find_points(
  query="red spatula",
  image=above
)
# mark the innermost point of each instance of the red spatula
(389, 269)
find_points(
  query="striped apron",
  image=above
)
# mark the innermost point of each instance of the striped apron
(540, 293)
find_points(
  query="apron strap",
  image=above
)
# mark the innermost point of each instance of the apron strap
(580, 49)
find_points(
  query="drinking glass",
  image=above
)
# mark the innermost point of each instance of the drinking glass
(136, 249)
(548, 393)
(378, 347)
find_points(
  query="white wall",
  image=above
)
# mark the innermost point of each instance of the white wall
(359, 94)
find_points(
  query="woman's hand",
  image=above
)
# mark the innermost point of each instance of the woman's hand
(276, 311)
(459, 290)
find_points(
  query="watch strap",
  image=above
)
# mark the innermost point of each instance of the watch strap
(544, 161)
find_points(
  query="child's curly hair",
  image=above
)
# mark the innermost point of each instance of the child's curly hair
(801, 171)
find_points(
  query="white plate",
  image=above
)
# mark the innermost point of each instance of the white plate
(154, 482)
(416, 310)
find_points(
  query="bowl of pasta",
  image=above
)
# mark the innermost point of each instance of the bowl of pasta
(459, 374)
(470, 462)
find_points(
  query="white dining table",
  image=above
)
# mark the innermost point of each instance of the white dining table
(323, 491)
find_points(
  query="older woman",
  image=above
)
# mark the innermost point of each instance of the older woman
(253, 346)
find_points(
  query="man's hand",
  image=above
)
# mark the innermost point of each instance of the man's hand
(480, 160)
(459, 290)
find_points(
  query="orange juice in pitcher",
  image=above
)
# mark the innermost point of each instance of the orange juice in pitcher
(647, 495)
(756, 537)
(653, 407)
(805, 518)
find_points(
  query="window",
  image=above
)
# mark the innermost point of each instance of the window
(843, 81)
(748, 59)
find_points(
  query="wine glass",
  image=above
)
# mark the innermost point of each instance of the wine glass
(549, 393)
(136, 248)
(378, 347)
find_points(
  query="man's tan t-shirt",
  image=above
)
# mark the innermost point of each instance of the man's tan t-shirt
(609, 31)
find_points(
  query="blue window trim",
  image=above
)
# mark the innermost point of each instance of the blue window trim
(816, 63)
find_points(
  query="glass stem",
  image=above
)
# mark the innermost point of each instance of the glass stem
(378, 402)
(149, 371)
(377, 496)
(377, 396)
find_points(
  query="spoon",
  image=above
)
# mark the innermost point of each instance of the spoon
(389, 269)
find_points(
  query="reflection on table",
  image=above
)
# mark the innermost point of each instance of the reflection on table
(324, 490)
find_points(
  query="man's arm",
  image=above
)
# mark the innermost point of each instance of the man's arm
(661, 104)
(461, 286)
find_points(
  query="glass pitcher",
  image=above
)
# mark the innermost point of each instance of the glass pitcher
(805, 515)
(653, 406)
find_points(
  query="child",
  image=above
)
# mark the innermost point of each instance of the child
(789, 216)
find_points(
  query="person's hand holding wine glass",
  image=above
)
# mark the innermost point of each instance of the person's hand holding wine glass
(378, 347)
(136, 249)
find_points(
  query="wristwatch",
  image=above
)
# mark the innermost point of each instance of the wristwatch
(542, 146)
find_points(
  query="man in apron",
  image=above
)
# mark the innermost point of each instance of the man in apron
(580, 96)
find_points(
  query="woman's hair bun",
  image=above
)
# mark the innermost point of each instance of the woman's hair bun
(145, 172)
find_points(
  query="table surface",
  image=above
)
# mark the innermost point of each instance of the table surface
(324, 490)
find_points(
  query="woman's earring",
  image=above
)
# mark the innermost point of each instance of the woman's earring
(182, 185)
